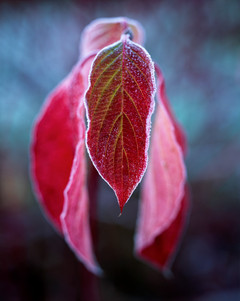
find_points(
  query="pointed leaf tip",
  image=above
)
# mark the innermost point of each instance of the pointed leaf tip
(119, 106)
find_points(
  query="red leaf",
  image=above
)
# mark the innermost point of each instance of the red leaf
(120, 102)
(161, 219)
(58, 163)
(179, 133)
(103, 32)
(75, 215)
(54, 140)
(160, 252)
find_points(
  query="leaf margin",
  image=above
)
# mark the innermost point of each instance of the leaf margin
(148, 120)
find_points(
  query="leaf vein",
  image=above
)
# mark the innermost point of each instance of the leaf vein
(134, 133)
(105, 56)
(116, 119)
(144, 75)
(101, 74)
(126, 160)
(106, 111)
(103, 90)
(140, 90)
(140, 57)
(129, 96)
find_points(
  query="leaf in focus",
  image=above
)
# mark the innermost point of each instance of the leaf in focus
(103, 32)
(119, 106)
(163, 199)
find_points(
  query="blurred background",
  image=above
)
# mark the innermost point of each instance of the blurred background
(197, 45)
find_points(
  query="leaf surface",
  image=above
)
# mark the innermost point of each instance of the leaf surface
(119, 105)
(160, 253)
(54, 142)
(54, 139)
(58, 163)
(103, 32)
(75, 215)
(179, 133)
(163, 200)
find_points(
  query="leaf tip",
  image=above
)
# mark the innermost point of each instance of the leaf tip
(121, 205)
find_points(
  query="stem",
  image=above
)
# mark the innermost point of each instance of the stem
(129, 32)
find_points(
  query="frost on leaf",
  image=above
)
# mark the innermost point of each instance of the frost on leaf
(164, 201)
(103, 32)
(119, 106)
(119, 103)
